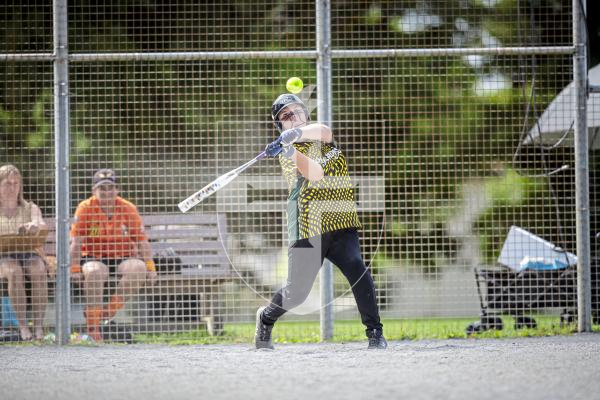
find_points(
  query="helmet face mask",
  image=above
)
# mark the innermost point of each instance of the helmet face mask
(281, 103)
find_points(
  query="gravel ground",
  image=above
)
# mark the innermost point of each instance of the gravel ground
(520, 368)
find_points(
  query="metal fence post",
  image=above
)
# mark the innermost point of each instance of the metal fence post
(324, 114)
(582, 194)
(61, 141)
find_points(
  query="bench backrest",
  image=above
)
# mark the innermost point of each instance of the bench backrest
(199, 240)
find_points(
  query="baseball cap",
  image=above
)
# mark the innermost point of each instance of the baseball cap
(104, 176)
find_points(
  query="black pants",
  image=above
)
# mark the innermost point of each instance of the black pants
(305, 258)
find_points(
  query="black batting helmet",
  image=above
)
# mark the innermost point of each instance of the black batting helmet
(283, 101)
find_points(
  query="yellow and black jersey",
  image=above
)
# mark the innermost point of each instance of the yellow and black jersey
(319, 207)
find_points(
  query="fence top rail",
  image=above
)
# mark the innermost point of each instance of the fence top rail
(419, 52)
(27, 56)
(190, 55)
(335, 53)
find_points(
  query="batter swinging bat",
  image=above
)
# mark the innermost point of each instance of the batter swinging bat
(217, 184)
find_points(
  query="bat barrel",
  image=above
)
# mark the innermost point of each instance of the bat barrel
(217, 184)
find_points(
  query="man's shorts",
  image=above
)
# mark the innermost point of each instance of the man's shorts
(111, 263)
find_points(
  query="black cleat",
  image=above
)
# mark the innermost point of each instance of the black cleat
(376, 340)
(112, 332)
(262, 338)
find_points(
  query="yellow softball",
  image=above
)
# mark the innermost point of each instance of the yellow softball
(294, 85)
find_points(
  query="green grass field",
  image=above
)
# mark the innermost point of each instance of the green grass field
(349, 331)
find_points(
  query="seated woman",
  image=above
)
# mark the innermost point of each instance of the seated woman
(19, 217)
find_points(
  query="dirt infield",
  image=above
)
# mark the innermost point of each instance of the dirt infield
(520, 368)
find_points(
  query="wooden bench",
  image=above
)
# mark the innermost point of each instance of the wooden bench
(181, 300)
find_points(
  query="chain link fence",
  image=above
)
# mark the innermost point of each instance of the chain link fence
(439, 107)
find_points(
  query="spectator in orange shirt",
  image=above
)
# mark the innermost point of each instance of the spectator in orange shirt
(108, 239)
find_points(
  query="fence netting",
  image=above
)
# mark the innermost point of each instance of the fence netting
(464, 175)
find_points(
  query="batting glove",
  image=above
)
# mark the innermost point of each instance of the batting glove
(274, 148)
(290, 136)
(288, 151)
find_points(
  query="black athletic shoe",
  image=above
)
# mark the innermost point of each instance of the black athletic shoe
(113, 332)
(262, 338)
(376, 340)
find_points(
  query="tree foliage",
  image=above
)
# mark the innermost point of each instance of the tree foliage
(440, 131)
